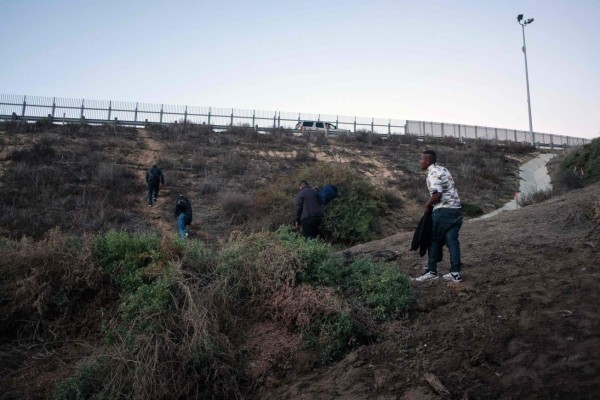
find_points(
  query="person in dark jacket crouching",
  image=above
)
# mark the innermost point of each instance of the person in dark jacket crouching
(309, 212)
(183, 213)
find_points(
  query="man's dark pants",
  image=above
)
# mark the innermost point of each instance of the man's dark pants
(446, 225)
(310, 227)
(152, 188)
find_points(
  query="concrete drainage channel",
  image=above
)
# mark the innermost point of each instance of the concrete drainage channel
(533, 177)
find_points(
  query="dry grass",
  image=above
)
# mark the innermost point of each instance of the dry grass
(49, 288)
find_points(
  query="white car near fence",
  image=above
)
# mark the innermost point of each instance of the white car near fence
(319, 126)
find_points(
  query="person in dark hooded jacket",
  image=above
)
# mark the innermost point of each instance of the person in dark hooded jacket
(154, 178)
(309, 212)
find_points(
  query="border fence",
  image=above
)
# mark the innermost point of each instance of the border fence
(66, 110)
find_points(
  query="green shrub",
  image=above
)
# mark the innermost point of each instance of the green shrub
(586, 157)
(124, 256)
(321, 267)
(353, 216)
(83, 385)
(143, 307)
(471, 210)
(332, 335)
(592, 170)
(380, 287)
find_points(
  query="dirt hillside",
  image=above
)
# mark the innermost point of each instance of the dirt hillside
(524, 324)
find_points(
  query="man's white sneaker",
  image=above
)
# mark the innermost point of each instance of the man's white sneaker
(453, 277)
(427, 276)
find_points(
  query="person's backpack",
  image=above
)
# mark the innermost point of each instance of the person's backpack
(327, 193)
(182, 202)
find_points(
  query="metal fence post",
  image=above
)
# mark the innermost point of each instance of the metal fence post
(231, 122)
(496, 133)
(53, 106)
(372, 131)
(275, 120)
(161, 114)
(279, 119)
(354, 124)
(253, 118)
(82, 108)
(442, 125)
(109, 109)
(209, 110)
(515, 136)
(24, 105)
(135, 113)
(337, 121)
(185, 117)
(389, 127)
(476, 132)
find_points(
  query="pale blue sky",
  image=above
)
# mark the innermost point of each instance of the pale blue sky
(439, 60)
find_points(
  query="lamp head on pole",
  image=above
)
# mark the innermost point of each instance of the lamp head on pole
(522, 21)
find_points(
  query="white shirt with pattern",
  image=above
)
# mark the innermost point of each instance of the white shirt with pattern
(439, 180)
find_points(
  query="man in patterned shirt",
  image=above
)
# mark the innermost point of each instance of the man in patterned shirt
(447, 216)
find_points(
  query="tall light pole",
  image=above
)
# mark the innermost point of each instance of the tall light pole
(523, 23)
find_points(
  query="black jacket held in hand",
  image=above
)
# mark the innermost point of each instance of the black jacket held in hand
(422, 236)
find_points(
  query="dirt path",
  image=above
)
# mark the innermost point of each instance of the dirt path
(159, 215)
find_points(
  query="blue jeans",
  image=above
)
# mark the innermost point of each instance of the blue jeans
(152, 188)
(182, 225)
(446, 225)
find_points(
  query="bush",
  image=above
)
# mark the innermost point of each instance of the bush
(39, 153)
(380, 286)
(233, 163)
(236, 207)
(332, 335)
(585, 160)
(353, 216)
(471, 210)
(321, 266)
(124, 256)
(47, 286)
(83, 385)
(115, 177)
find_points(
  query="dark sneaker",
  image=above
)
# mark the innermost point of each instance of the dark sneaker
(427, 276)
(453, 277)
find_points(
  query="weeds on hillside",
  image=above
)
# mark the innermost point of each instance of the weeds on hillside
(71, 181)
(176, 312)
(48, 287)
(584, 161)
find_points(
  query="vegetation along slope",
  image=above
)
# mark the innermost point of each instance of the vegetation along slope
(100, 300)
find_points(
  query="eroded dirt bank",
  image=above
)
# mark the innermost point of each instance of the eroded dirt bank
(524, 324)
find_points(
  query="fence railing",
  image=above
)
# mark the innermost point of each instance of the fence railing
(67, 110)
